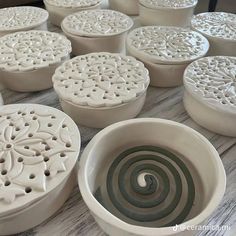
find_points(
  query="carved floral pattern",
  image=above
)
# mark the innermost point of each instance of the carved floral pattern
(73, 3)
(168, 3)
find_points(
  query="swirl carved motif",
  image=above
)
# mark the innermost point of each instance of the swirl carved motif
(73, 3)
(168, 3)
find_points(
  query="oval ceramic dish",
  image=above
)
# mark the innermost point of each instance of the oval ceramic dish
(59, 9)
(15, 19)
(97, 31)
(39, 150)
(210, 93)
(166, 12)
(166, 51)
(99, 89)
(29, 59)
(129, 7)
(220, 30)
(136, 181)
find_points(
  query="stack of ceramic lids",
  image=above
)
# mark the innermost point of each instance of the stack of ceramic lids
(97, 31)
(39, 150)
(166, 51)
(14, 19)
(99, 89)
(129, 7)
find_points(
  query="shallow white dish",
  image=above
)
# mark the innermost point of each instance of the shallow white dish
(39, 150)
(134, 144)
(210, 93)
(99, 89)
(28, 59)
(166, 51)
(24, 18)
(220, 29)
(166, 12)
(97, 31)
(59, 9)
(129, 7)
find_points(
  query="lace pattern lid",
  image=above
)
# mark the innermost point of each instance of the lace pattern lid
(216, 24)
(73, 3)
(101, 80)
(18, 18)
(167, 45)
(39, 147)
(30, 50)
(212, 80)
(97, 23)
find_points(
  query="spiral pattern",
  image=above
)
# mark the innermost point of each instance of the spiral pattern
(148, 185)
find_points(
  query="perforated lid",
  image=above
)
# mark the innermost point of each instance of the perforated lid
(97, 23)
(101, 80)
(73, 3)
(166, 45)
(21, 18)
(39, 147)
(216, 24)
(30, 50)
(212, 81)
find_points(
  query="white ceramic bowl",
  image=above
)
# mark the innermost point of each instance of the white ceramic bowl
(220, 30)
(166, 12)
(129, 7)
(99, 89)
(59, 9)
(97, 31)
(166, 51)
(210, 93)
(24, 18)
(28, 59)
(139, 151)
(39, 150)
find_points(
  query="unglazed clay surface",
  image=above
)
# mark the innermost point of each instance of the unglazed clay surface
(216, 24)
(97, 23)
(73, 3)
(30, 50)
(101, 79)
(39, 147)
(168, 45)
(168, 3)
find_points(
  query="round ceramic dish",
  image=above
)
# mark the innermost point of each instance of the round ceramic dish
(15, 19)
(99, 89)
(129, 7)
(166, 51)
(39, 150)
(210, 93)
(220, 30)
(59, 9)
(141, 183)
(97, 31)
(29, 59)
(166, 12)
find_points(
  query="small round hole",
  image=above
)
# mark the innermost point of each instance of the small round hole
(47, 172)
(37, 153)
(26, 124)
(20, 159)
(32, 112)
(49, 125)
(30, 135)
(26, 147)
(63, 126)
(28, 189)
(2, 160)
(46, 159)
(4, 172)
(54, 138)
(32, 176)
(7, 183)
(68, 145)
(53, 117)
(62, 154)
(47, 148)
(34, 118)
(8, 146)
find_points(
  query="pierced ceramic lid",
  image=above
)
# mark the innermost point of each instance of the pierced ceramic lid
(212, 80)
(30, 50)
(216, 24)
(97, 23)
(101, 79)
(39, 147)
(73, 3)
(21, 18)
(167, 45)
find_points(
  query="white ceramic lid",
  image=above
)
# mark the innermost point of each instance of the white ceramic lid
(30, 50)
(39, 147)
(21, 18)
(97, 23)
(101, 80)
(73, 3)
(212, 81)
(216, 24)
(166, 45)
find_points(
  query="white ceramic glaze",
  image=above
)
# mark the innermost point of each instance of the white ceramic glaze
(129, 7)
(210, 93)
(1, 99)
(98, 89)
(166, 51)
(15, 19)
(97, 31)
(107, 144)
(59, 9)
(28, 59)
(166, 12)
(39, 149)
(220, 30)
